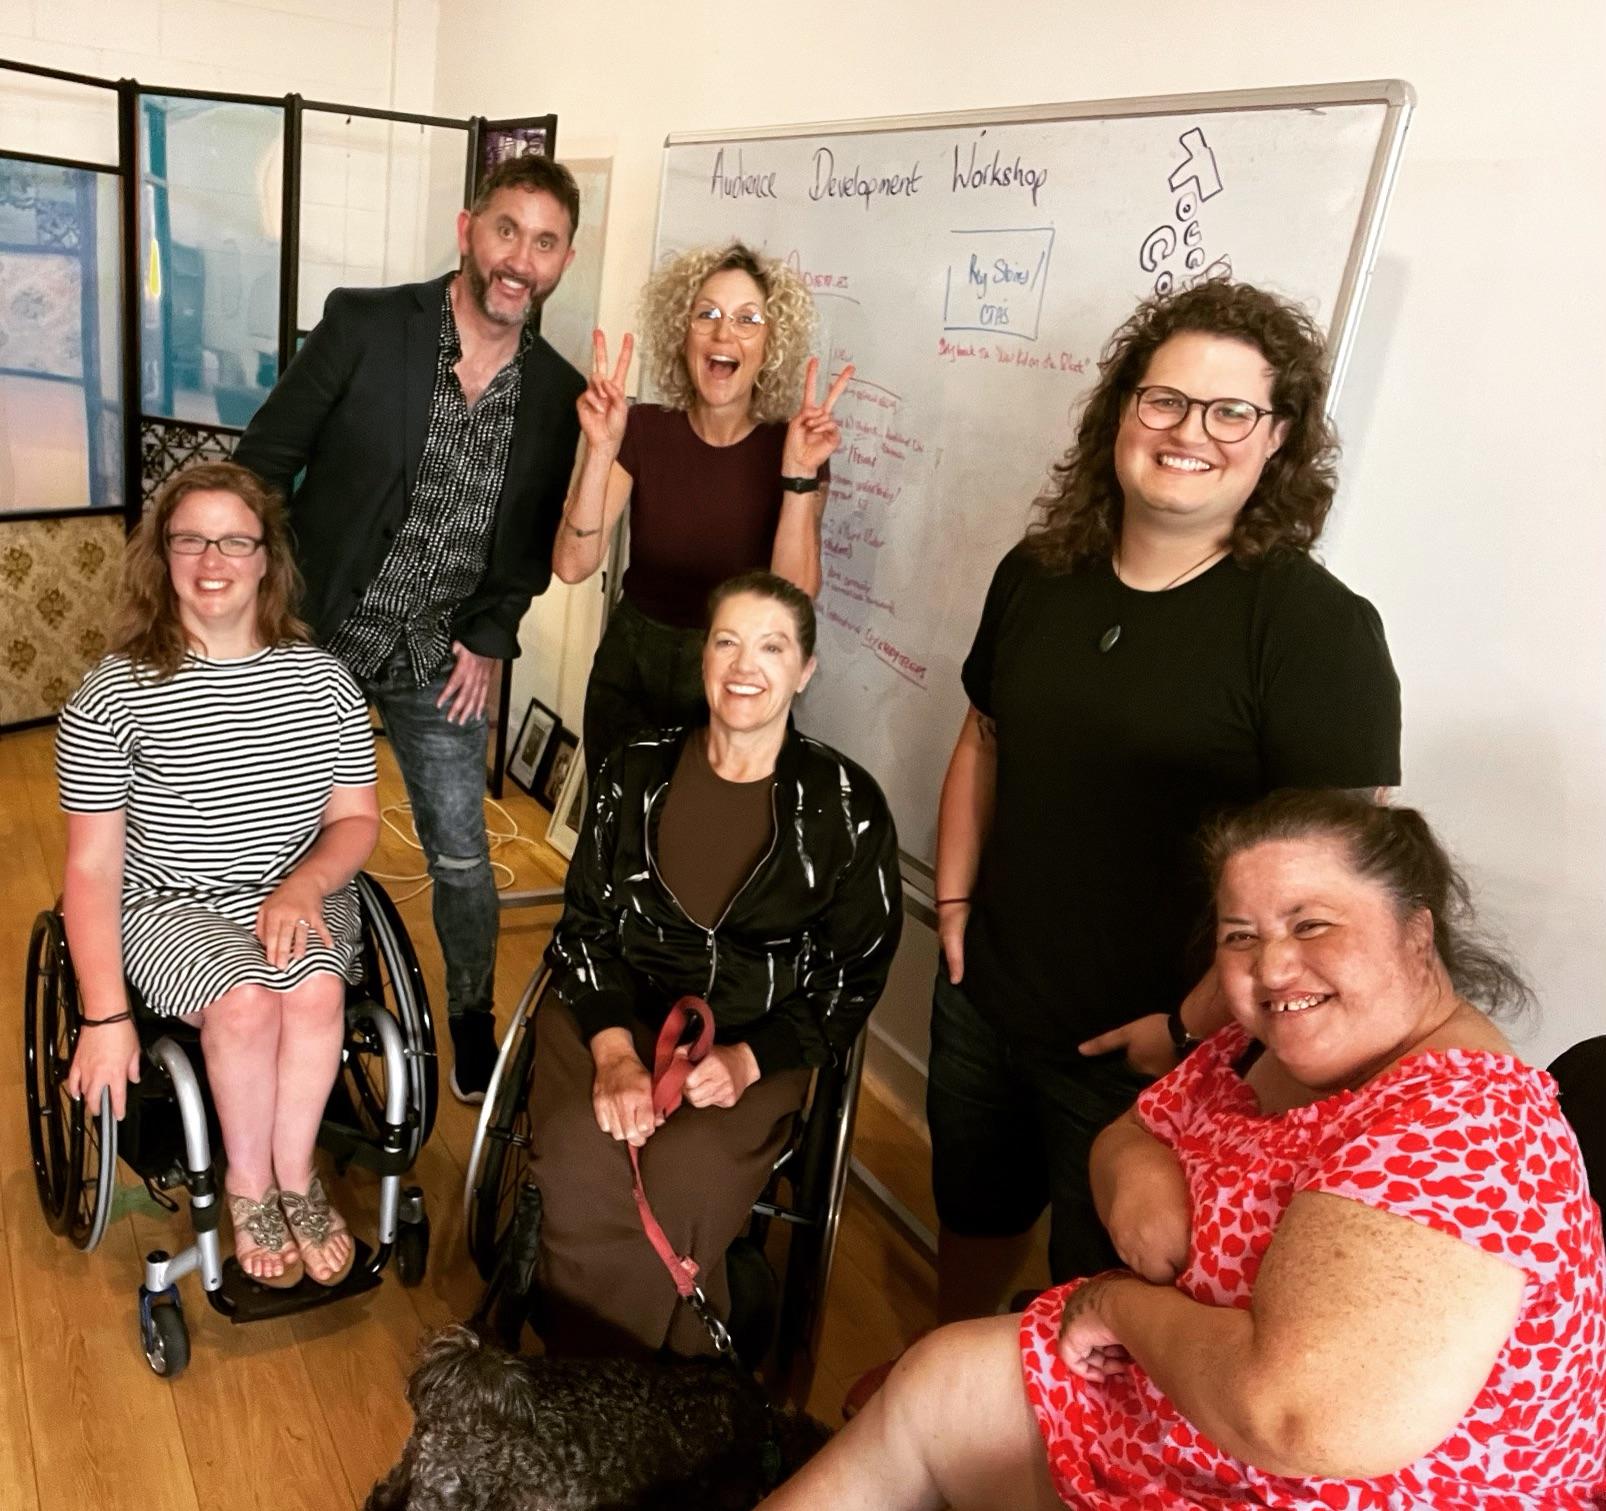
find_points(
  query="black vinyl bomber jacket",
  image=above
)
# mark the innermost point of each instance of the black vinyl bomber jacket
(802, 952)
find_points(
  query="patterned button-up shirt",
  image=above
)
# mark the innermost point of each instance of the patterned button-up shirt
(440, 552)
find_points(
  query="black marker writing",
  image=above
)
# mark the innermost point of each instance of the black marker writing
(996, 174)
(829, 184)
(741, 184)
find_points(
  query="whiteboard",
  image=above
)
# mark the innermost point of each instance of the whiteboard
(971, 268)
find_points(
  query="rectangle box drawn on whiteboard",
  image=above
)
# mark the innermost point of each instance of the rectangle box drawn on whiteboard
(996, 279)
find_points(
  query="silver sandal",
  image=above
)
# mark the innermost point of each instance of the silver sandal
(263, 1222)
(313, 1222)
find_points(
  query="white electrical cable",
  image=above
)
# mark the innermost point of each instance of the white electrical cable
(409, 837)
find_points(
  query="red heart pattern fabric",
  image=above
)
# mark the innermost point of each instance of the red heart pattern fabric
(1468, 1142)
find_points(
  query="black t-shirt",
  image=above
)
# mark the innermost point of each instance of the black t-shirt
(1091, 906)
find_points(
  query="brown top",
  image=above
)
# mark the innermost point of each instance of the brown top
(698, 513)
(713, 833)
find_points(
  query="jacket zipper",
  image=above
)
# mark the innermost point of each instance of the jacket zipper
(713, 944)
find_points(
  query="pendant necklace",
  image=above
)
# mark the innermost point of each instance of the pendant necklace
(1110, 636)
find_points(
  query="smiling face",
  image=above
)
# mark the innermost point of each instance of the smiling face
(723, 365)
(1182, 477)
(753, 664)
(1317, 964)
(514, 252)
(217, 594)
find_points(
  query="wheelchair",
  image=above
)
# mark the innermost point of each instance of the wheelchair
(774, 1320)
(379, 1115)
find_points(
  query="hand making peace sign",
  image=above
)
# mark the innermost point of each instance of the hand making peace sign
(813, 435)
(603, 407)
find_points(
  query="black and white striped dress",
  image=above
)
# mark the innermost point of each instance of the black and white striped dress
(223, 772)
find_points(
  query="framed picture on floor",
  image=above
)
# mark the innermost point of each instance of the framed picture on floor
(569, 812)
(560, 753)
(535, 733)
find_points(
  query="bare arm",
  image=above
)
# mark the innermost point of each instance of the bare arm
(293, 911)
(796, 555)
(811, 437)
(1142, 1196)
(599, 496)
(1368, 1339)
(601, 486)
(92, 908)
(964, 819)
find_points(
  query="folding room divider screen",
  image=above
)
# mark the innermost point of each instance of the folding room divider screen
(162, 253)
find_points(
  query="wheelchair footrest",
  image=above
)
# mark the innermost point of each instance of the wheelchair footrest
(241, 1299)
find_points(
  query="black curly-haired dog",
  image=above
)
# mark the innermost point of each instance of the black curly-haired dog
(497, 1432)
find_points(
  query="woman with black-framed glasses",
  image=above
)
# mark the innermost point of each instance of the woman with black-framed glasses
(1160, 646)
(717, 479)
(217, 770)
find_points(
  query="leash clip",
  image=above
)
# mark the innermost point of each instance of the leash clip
(710, 1319)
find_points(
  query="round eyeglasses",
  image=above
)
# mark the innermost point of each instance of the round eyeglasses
(746, 323)
(1225, 420)
(182, 543)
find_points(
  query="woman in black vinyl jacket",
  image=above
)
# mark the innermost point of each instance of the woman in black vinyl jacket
(740, 862)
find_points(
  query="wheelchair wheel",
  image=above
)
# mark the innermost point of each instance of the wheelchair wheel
(391, 975)
(164, 1334)
(503, 1141)
(74, 1152)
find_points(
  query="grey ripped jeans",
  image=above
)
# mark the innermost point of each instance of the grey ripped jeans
(443, 765)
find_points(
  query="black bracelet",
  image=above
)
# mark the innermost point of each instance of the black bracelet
(121, 1017)
(1181, 1039)
(800, 484)
(943, 902)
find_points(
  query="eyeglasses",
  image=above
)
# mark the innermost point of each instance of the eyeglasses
(746, 323)
(1225, 420)
(182, 543)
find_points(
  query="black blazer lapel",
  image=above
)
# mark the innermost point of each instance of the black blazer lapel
(423, 346)
(526, 438)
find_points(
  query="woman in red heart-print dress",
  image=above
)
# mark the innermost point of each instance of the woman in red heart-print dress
(1365, 1270)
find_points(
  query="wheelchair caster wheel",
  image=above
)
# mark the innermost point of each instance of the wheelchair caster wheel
(163, 1333)
(412, 1251)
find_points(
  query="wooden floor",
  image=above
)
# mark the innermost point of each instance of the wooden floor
(302, 1414)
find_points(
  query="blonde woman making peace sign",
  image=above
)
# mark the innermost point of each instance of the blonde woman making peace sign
(717, 480)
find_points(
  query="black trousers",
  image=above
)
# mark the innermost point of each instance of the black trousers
(1011, 1133)
(646, 675)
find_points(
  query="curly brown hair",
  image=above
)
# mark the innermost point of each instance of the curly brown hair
(1079, 516)
(788, 309)
(147, 628)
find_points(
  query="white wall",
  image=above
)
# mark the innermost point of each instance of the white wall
(1473, 511)
(353, 52)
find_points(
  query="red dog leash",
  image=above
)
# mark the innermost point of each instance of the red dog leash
(669, 1071)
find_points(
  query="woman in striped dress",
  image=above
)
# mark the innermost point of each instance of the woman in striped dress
(217, 771)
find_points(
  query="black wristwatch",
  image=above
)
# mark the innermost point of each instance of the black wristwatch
(800, 484)
(1181, 1039)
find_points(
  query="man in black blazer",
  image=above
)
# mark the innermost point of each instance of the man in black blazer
(436, 433)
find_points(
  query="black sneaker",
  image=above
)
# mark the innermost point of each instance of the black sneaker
(473, 1055)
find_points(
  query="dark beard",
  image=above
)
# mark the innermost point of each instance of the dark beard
(479, 288)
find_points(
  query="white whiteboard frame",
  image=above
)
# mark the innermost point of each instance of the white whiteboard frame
(1396, 96)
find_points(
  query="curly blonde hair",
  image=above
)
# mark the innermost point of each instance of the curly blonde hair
(148, 629)
(788, 310)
